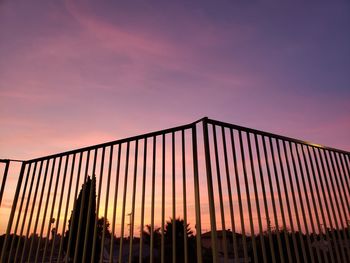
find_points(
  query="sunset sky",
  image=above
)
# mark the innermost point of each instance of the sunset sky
(76, 73)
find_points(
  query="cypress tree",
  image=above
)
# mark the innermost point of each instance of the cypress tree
(81, 207)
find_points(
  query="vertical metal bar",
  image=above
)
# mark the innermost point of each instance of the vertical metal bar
(210, 191)
(39, 208)
(31, 212)
(313, 199)
(347, 176)
(337, 190)
(256, 194)
(266, 207)
(233, 226)
(329, 191)
(124, 200)
(307, 202)
(66, 210)
(174, 199)
(73, 216)
(3, 183)
(335, 196)
(196, 195)
(80, 219)
(342, 197)
(346, 161)
(289, 254)
(106, 202)
(59, 208)
(25, 211)
(115, 205)
(143, 198)
(220, 195)
(296, 251)
(91, 201)
(318, 201)
(296, 211)
(234, 156)
(184, 194)
(327, 209)
(248, 196)
(19, 215)
(339, 178)
(273, 201)
(346, 179)
(45, 209)
(343, 219)
(163, 199)
(95, 235)
(13, 210)
(152, 198)
(52, 208)
(301, 201)
(133, 202)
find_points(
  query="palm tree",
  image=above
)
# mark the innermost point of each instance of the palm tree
(182, 231)
(156, 235)
(179, 235)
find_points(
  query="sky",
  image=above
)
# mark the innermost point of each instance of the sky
(77, 73)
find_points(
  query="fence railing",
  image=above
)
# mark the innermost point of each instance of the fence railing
(6, 164)
(208, 191)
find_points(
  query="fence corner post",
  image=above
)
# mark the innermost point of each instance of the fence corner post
(210, 190)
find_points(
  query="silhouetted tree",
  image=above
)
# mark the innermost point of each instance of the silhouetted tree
(99, 227)
(87, 216)
(156, 235)
(168, 241)
(179, 241)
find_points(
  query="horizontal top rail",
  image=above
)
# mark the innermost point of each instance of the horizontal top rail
(106, 144)
(268, 134)
(184, 127)
(10, 160)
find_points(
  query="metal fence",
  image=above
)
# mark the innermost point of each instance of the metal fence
(207, 191)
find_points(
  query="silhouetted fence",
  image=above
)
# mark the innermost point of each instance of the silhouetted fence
(4, 177)
(207, 191)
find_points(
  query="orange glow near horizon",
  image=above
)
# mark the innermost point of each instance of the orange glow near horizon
(101, 188)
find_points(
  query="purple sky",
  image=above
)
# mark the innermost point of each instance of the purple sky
(75, 73)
